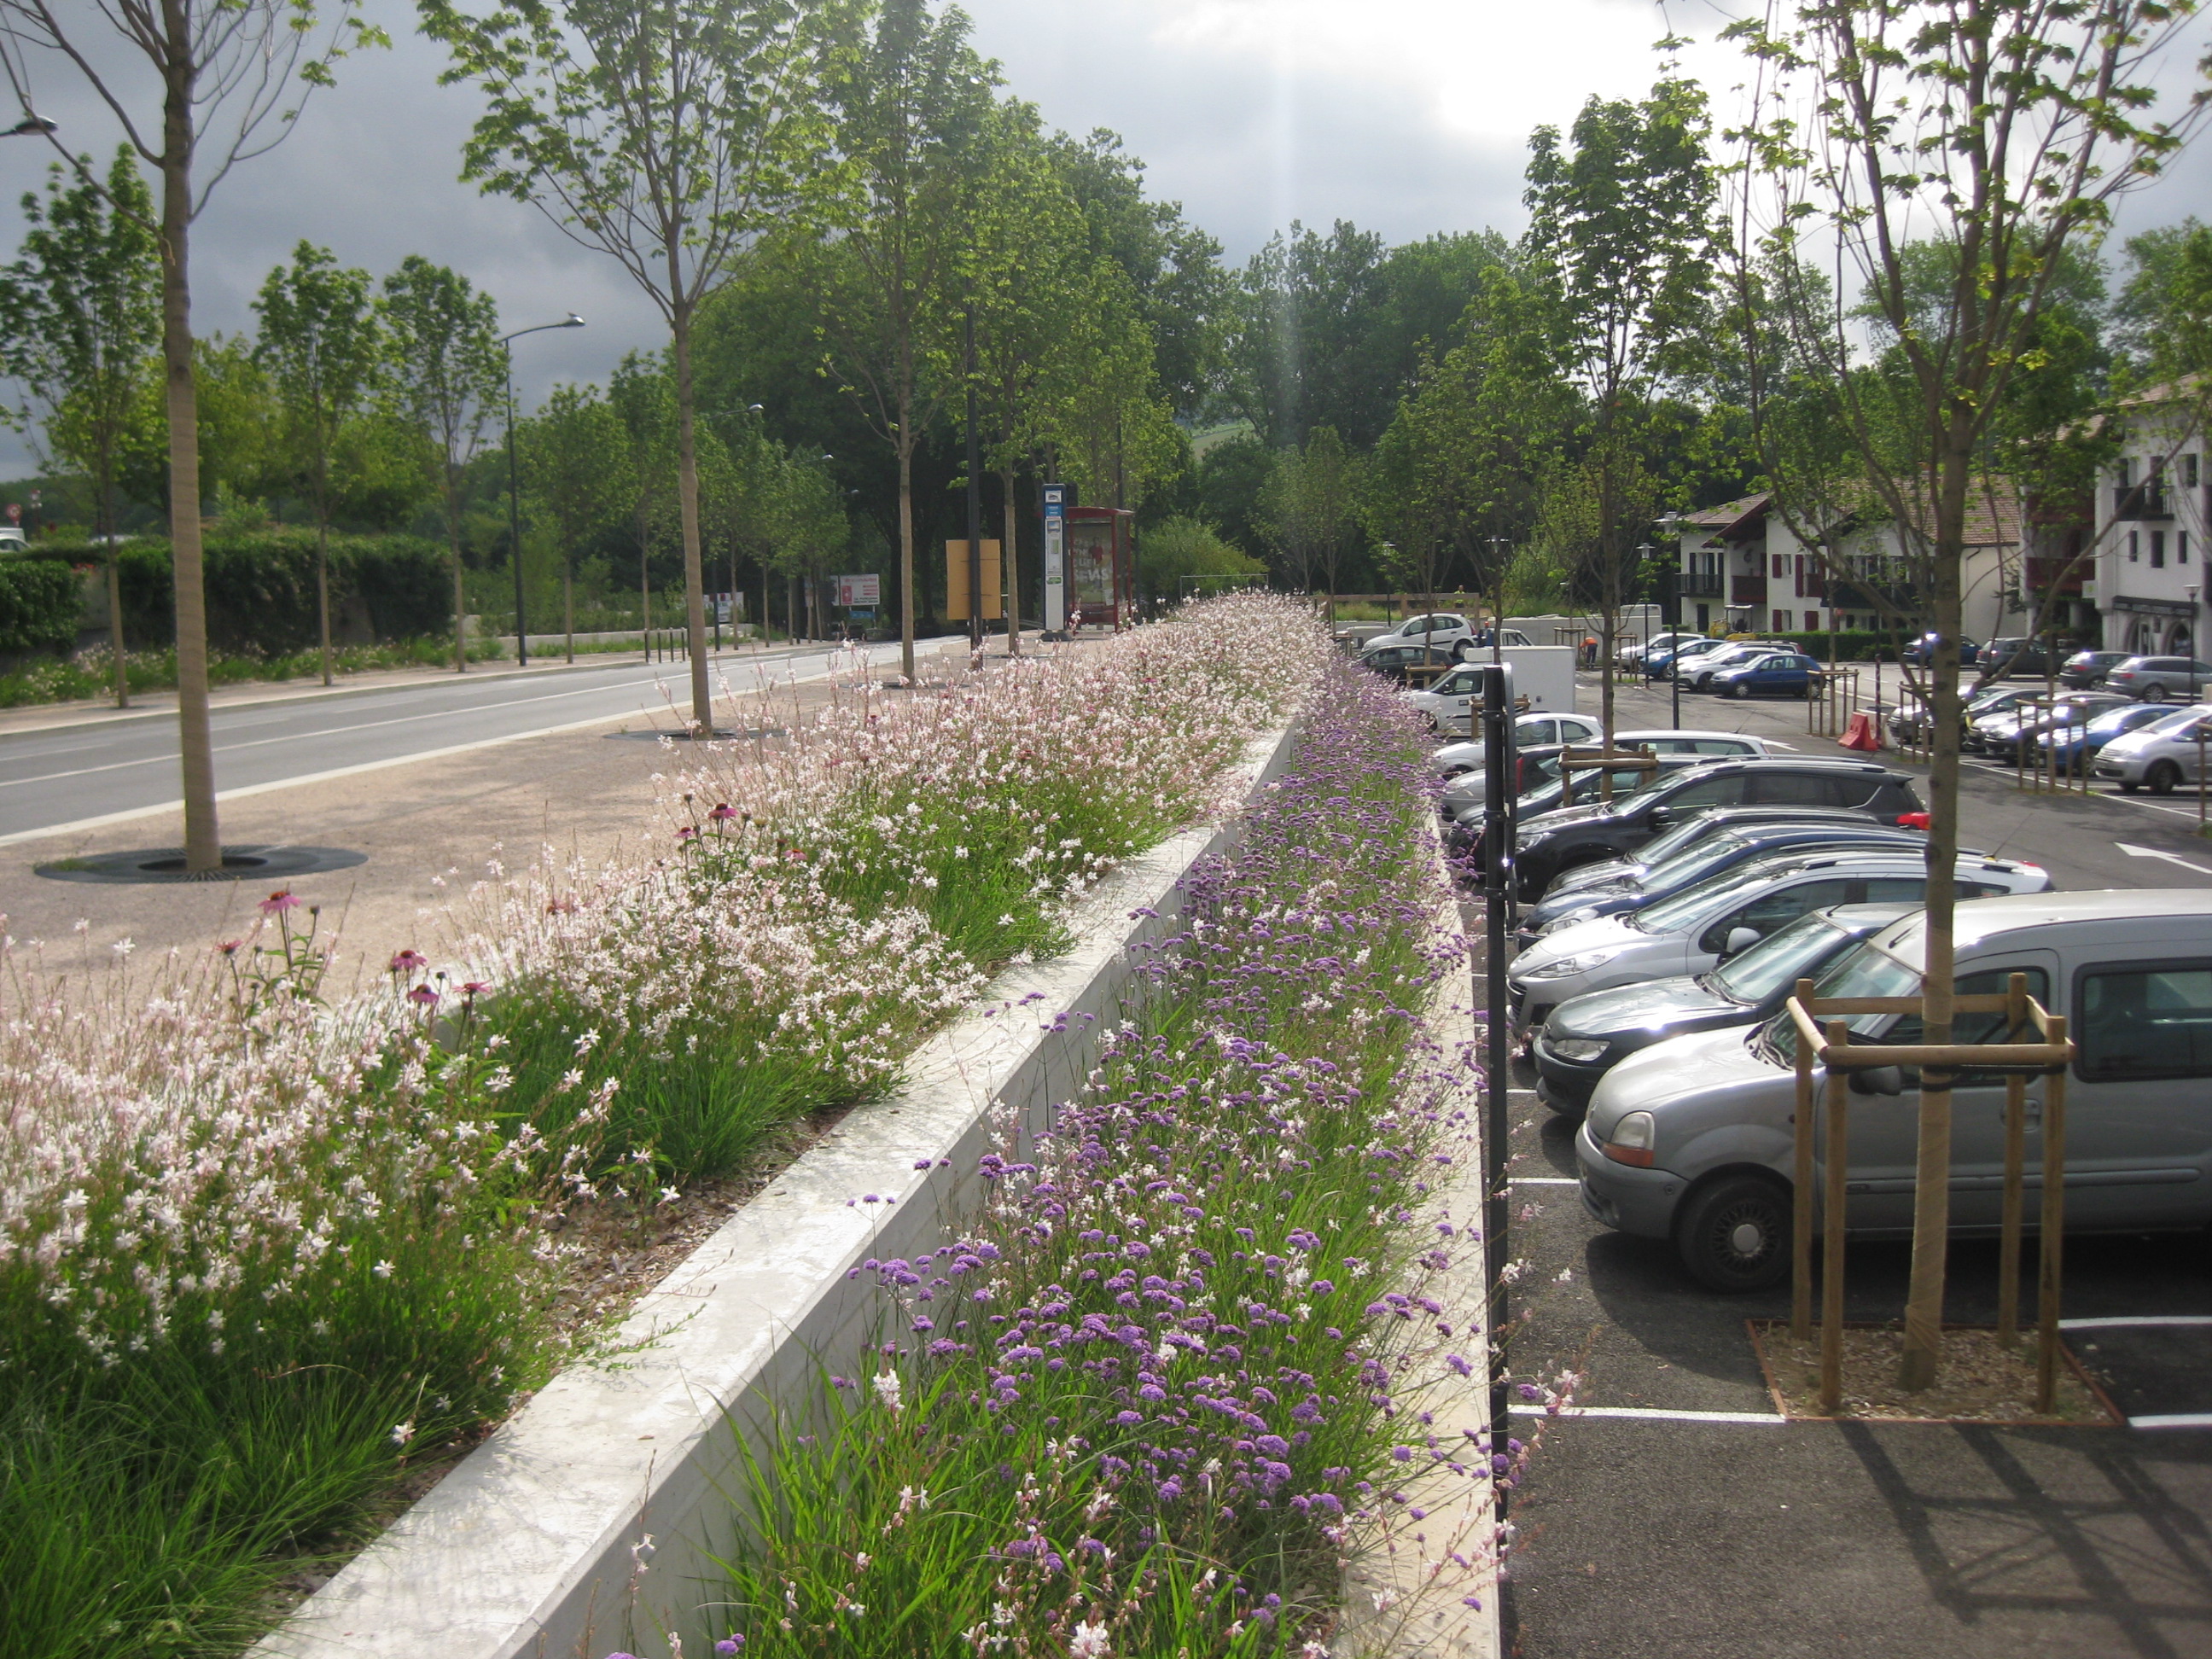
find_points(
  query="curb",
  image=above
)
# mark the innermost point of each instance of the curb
(525, 1551)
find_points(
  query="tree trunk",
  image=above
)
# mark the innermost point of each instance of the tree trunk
(1010, 560)
(645, 579)
(1931, 1202)
(906, 545)
(568, 601)
(461, 587)
(687, 504)
(323, 578)
(195, 738)
(105, 516)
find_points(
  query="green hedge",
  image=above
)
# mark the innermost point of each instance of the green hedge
(261, 589)
(1859, 647)
(38, 606)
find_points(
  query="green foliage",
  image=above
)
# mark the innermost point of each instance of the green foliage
(39, 604)
(322, 347)
(1179, 548)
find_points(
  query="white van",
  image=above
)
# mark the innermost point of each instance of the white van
(1690, 1139)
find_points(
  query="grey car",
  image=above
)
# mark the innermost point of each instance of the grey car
(2154, 679)
(1690, 1141)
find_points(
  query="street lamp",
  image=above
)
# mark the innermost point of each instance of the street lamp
(514, 485)
(1497, 597)
(31, 126)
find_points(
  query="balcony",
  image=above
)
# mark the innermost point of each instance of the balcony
(1747, 590)
(2135, 502)
(1701, 584)
(1857, 595)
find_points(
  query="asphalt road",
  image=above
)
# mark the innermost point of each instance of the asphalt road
(82, 775)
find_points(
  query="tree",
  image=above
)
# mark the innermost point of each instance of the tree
(322, 344)
(575, 461)
(1099, 411)
(2005, 130)
(447, 372)
(228, 70)
(910, 106)
(645, 404)
(669, 136)
(1186, 558)
(79, 316)
(1622, 220)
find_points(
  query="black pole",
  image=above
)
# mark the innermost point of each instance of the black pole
(975, 503)
(514, 524)
(1496, 884)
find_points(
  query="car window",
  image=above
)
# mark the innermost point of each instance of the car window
(2141, 1023)
(1575, 731)
(1539, 733)
(1708, 792)
(1772, 911)
(1849, 790)
(1899, 889)
(1719, 746)
(1790, 789)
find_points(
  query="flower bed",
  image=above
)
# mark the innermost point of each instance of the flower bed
(1146, 1405)
(258, 1254)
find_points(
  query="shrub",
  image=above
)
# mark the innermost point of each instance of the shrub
(38, 602)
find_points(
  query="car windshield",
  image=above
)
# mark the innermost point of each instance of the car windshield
(2112, 721)
(2180, 722)
(1686, 834)
(1776, 960)
(1865, 972)
(1693, 907)
(1694, 865)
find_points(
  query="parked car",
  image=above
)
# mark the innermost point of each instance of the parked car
(1659, 662)
(2154, 679)
(1632, 654)
(1543, 789)
(1694, 831)
(2078, 744)
(1777, 674)
(2000, 736)
(2010, 658)
(1452, 702)
(1539, 763)
(1697, 673)
(1586, 1038)
(1909, 723)
(1712, 858)
(1689, 1141)
(2161, 756)
(1551, 843)
(1529, 731)
(1394, 661)
(2087, 668)
(1922, 652)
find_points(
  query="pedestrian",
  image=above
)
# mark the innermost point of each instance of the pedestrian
(1589, 651)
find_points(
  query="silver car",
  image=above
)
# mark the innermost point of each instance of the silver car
(1470, 786)
(1535, 730)
(2154, 679)
(1691, 1140)
(2159, 756)
(1702, 927)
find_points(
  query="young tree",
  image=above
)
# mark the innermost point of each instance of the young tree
(322, 344)
(233, 74)
(2005, 130)
(667, 136)
(575, 461)
(645, 404)
(447, 371)
(910, 106)
(79, 316)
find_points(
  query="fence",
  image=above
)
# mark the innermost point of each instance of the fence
(1831, 697)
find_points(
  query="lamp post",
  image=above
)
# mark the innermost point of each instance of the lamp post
(514, 485)
(31, 126)
(1497, 545)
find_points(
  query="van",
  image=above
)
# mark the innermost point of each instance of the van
(1691, 1140)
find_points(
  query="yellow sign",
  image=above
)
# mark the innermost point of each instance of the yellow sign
(956, 583)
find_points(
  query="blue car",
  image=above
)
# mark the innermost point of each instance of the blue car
(1657, 664)
(2078, 746)
(1779, 673)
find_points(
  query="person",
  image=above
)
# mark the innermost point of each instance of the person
(1589, 651)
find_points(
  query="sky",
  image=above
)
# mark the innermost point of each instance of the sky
(1406, 116)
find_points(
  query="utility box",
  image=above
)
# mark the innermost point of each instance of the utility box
(1544, 674)
(956, 583)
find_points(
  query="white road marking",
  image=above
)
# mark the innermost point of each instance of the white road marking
(1651, 1413)
(2134, 852)
(2174, 1420)
(1542, 1181)
(2123, 1321)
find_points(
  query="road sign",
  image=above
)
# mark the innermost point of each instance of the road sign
(1056, 497)
(859, 590)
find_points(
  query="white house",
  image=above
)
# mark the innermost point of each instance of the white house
(2151, 527)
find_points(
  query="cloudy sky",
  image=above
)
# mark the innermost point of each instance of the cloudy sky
(1404, 116)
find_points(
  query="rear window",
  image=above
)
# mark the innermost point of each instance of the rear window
(2138, 1024)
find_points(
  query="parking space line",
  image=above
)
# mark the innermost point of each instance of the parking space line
(1542, 1181)
(1651, 1414)
(2174, 1420)
(2120, 1322)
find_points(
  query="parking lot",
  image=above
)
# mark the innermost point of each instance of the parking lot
(1676, 1513)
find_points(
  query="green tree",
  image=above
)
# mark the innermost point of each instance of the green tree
(323, 346)
(644, 403)
(669, 136)
(2004, 130)
(446, 374)
(575, 464)
(79, 316)
(233, 75)
(1185, 558)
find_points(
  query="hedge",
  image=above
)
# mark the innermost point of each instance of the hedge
(261, 590)
(38, 606)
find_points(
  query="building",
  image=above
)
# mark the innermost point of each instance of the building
(2152, 516)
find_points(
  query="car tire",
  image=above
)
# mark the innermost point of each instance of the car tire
(1732, 1234)
(1740, 691)
(2130, 788)
(1463, 652)
(2151, 693)
(2164, 778)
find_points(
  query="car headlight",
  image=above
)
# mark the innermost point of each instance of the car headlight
(1533, 838)
(1567, 967)
(1633, 1140)
(1582, 1049)
(1568, 920)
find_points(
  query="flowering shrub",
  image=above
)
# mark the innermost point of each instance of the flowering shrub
(1143, 1408)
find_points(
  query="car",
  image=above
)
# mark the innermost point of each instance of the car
(1691, 1142)
(1909, 724)
(2000, 736)
(1922, 652)
(1691, 832)
(1539, 766)
(1551, 843)
(1466, 759)
(1778, 673)
(1442, 630)
(2161, 756)
(1586, 1038)
(2086, 668)
(1704, 925)
(1450, 703)
(1711, 857)
(1542, 791)
(1532, 730)
(2078, 745)
(1659, 661)
(2011, 658)
(1697, 673)
(2153, 679)
(1396, 661)
(1632, 654)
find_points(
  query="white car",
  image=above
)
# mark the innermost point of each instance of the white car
(1702, 927)
(1444, 630)
(2160, 756)
(1529, 731)
(1697, 673)
(1632, 654)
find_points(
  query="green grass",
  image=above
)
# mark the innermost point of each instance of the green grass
(91, 673)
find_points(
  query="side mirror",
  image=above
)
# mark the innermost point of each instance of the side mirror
(1660, 818)
(1742, 938)
(1879, 1080)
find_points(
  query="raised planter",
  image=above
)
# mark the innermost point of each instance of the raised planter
(533, 1545)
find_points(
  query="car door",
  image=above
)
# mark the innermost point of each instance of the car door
(1574, 729)
(2139, 1102)
(1456, 696)
(1536, 734)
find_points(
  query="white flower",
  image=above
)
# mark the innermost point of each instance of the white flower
(382, 1270)
(403, 1433)
(1089, 1642)
(887, 1390)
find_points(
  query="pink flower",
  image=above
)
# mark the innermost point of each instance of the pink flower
(230, 947)
(276, 904)
(408, 962)
(474, 987)
(421, 996)
(686, 833)
(723, 813)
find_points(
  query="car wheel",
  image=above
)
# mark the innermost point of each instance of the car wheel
(2130, 788)
(2152, 694)
(1734, 1235)
(1463, 652)
(2165, 777)
(1740, 691)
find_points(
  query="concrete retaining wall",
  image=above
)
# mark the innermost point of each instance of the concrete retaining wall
(527, 1548)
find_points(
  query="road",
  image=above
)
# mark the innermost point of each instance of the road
(83, 775)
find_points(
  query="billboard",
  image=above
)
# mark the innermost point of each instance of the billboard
(859, 590)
